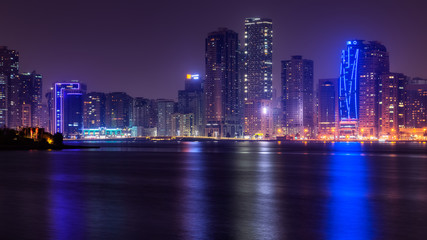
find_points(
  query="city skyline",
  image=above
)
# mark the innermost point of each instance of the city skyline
(63, 50)
(245, 119)
(371, 99)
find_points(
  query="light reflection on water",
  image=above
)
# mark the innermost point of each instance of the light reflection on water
(195, 219)
(266, 221)
(349, 209)
(195, 190)
(67, 218)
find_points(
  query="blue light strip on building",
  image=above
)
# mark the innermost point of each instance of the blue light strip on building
(356, 77)
(59, 103)
(348, 82)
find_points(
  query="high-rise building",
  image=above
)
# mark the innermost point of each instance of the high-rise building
(118, 110)
(3, 100)
(30, 93)
(392, 105)
(165, 109)
(45, 117)
(327, 107)
(362, 65)
(26, 115)
(183, 124)
(416, 104)
(9, 68)
(68, 108)
(141, 112)
(145, 113)
(259, 119)
(373, 64)
(144, 117)
(222, 87)
(190, 100)
(297, 94)
(94, 110)
(258, 79)
(51, 111)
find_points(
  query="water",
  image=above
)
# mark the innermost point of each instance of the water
(193, 190)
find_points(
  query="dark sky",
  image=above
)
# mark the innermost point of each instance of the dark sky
(145, 48)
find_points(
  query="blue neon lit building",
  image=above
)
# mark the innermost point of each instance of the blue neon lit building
(349, 81)
(68, 107)
(362, 64)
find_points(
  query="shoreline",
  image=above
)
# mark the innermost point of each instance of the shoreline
(43, 148)
(206, 139)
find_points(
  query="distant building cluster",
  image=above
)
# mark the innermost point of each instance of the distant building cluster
(234, 98)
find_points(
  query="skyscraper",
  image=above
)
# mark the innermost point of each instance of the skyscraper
(9, 68)
(258, 78)
(392, 105)
(3, 100)
(30, 93)
(362, 65)
(328, 107)
(416, 106)
(94, 110)
(144, 117)
(190, 100)
(297, 93)
(118, 110)
(183, 124)
(165, 109)
(68, 108)
(50, 107)
(141, 112)
(222, 86)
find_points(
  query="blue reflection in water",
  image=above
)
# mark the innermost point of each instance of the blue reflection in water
(192, 147)
(67, 217)
(349, 212)
(348, 147)
(195, 217)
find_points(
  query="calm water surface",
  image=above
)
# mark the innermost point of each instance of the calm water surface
(193, 190)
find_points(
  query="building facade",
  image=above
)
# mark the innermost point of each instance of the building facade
(392, 105)
(94, 110)
(190, 100)
(3, 100)
(165, 109)
(222, 88)
(30, 93)
(145, 117)
(259, 122)
(327, 108)
(9, 68)
(183, 124)
(362, 65)
(258, 79)
(297, 94)
(118, 110)
(416, 104)
(68, 108)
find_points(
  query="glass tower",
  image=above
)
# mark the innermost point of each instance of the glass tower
(362, 65)
(222, 86)
(258, 79)
(349, 81)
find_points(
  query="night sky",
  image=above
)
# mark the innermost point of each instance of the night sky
(146, 48)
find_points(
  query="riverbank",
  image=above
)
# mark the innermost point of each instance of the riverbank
(211, 139)
(15, 147)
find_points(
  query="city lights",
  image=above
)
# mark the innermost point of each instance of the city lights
(234, 97)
